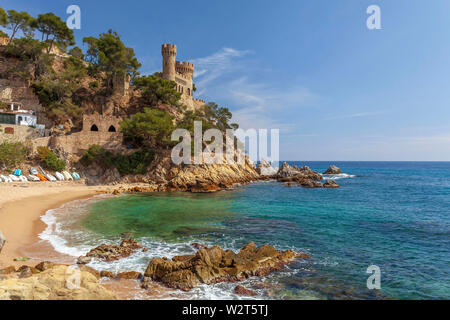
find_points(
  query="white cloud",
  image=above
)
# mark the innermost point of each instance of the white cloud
(216, 65)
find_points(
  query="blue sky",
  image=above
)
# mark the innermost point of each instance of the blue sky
(336, 90)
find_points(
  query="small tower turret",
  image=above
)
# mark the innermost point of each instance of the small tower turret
(169, 53)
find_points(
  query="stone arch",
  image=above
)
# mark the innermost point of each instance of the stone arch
(94, 127)
(112, 129)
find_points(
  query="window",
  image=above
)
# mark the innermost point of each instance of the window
(112, 129)
(94, 128)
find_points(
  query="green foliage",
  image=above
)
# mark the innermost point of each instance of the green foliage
(108, 54)
(135, 163)
(156, 90)
(93, 84)
(57, 92)
(3, 17)
(188, 121)
(3, 106)
(12, 153)
(220, 116)
(43, 152)
(52, 162)
(77, 53)
(149, 128)
(3, 34)
(54, 31)
(20, 21)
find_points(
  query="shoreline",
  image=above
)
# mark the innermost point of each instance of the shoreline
(21, 209)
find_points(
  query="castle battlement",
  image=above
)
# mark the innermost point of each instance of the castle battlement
(181, 72)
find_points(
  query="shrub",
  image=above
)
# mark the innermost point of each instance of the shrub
(135, 163)
(12, 153)
(43, 152)
(53, 162)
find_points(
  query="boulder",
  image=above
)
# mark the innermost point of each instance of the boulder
(52, 284)
(25, 272)
(2, 241)
(131, 275)
(8, 270)
(112, 252)
(265, 169)
(242, 291)
(84, 260)
(213, 265)
(330, 184)
(333, 170)
(45, 265)
(107, 274)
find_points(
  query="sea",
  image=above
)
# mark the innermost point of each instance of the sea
(391, 217)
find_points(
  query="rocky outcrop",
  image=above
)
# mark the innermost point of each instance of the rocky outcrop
(213, 265)
(210, 178)
(56, 283)
(331, 184)
(112, 252)
(304, 176)
(333, 170)
(2, 241)
(265, 169)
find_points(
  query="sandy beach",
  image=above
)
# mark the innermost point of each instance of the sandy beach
(21, 207)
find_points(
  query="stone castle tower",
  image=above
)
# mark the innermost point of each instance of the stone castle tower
(182, 73)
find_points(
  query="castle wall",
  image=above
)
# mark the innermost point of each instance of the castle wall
(21, 133)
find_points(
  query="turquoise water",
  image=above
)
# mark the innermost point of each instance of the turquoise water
(393, 215)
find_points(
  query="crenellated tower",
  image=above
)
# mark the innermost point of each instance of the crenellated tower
(185, 68)
(182, 73)
(169, 53)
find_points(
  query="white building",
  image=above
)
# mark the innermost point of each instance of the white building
(15, 114)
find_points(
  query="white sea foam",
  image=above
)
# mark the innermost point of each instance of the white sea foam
(338, 176)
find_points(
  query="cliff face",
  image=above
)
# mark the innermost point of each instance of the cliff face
(163, 175)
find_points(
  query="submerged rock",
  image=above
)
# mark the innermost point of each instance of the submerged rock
(240, 290)
(333, 170)
(213, 265)
(111, 252)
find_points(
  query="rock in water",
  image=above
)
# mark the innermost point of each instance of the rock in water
(213, 265)
(304, 176)
(2, 241)
(333, 170)
(330, 184)
(112, 252)
(240, 290)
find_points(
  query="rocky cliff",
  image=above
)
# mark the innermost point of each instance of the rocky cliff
(56, 283)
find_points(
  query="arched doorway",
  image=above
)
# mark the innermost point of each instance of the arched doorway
(112, 129)
(94, 128)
